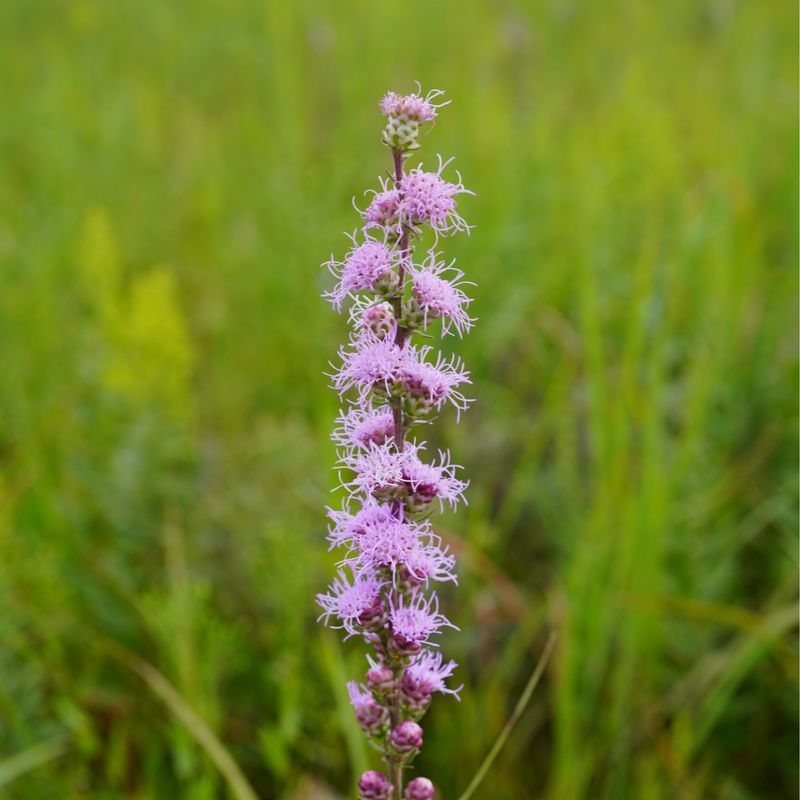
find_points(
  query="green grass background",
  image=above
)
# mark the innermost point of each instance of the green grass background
(171, 176)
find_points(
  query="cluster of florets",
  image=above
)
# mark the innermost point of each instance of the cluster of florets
(392, 556)
(404, 114)
(421, 198)
(370, 266)
(377, 368)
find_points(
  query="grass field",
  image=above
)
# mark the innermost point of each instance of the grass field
(172, 175)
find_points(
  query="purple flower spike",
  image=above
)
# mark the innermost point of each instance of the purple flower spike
(420, 789)
(391, 556)
(374, 786)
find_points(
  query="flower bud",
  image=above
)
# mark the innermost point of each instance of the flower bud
(420, 789)
(406, 581)
(380, 679)
(382, 213)
(373, 618)
(376, 642)
(406, 737)
(388, 285)
(413, 313)
(379, 319)
(372, 717)
(416, 693)
(401, 133)
(417, 400)
(375, 786)
(402, 647)
(420, 496)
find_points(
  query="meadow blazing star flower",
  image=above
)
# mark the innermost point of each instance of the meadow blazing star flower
(364, 427)
(393, 558)
(421, 198)
(434, 296)
(369, 266)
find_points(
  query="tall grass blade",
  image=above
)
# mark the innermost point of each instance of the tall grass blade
(513, 719)
(198, 729)
(11, 768)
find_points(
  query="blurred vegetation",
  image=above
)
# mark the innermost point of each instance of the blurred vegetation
(171, 177)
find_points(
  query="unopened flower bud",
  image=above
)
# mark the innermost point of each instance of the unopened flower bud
(420, 497)
(406, 737)
(403, 647)
(406, 580)
(401, 133)
(387, 285)
(379, 319)
(370, 714)
(380, 679)
(413, 313)
(372, 717)
(372, 619)
(375, 641)
(416, 692)
(375, 785)
(417, 401)
(420, 789)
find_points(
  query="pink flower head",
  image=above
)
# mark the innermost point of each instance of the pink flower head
(428, 674)
(347, 527)
(382, 212)
(438, 297)
(422, 198)
(405, 547)
(410, 106)
(433, 384)
(360, 696)
(360, 427)
(374, 364)
(428, 482)
(386, 473)
(375, 318)
(429, 199)
(430, 561)
(368, 266)
(417, 618)
(353, 603)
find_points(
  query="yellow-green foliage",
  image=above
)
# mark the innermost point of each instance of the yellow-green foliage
(147, 355)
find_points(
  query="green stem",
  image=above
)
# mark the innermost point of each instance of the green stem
(395, 705)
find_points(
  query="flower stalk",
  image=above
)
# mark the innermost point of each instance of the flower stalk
(384, 591)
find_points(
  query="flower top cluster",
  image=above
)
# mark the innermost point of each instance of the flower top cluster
(391, 558)
(404, 114)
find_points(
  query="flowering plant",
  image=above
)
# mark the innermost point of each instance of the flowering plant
(384, 590)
